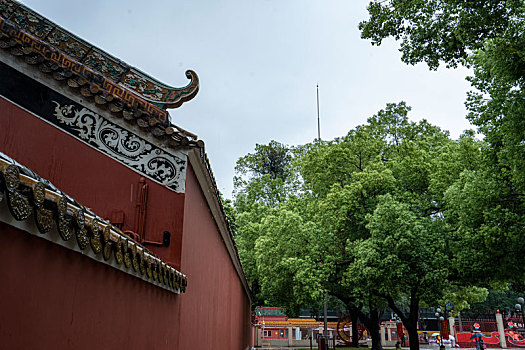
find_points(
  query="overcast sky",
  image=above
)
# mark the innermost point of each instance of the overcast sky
(259, 62)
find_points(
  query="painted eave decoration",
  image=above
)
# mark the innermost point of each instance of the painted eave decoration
(28, 195)
(95, 73)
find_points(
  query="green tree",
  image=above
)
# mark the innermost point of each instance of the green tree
(437, 31)
(367, 225)
(261, 183)
(288, 261)
(485, 205)
(497, 299)
(394, 215)
(371, 223)
(263, 176)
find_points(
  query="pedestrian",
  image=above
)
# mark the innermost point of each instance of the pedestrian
(403, 339)
(480, 345)
(478, 337)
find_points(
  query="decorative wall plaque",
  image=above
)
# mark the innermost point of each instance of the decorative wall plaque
(118, 143)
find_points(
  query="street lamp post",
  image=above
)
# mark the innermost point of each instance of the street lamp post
(519, 308)
(440, 319)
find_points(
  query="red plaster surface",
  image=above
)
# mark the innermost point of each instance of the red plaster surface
(215, 308)
(55, 298)
(92, 178)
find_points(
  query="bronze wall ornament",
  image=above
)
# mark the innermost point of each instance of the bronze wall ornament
(18, 205)
(96, 244)
(94, 240)
(142, 265)
(12, 177)
(44, 219)
(119, 256)
(126, 252)
(135, 263)
(127, 260)
(161, 274)
(155, 271)
(28, 194)
(80, 217)
(149, 270)
(172, 279)
(39, 193)
(65, 226)
(81, 231)
(169, 279)
(82, 237)
(135, 258)
(176, 281)
(107, 250)
(107, 233)
(165, 276)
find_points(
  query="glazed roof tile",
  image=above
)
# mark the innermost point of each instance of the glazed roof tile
(296, 322)
(96, 73)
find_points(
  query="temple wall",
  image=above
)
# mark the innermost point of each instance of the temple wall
(55, 298)
(92, 178)
(52, 297)
(215, 307)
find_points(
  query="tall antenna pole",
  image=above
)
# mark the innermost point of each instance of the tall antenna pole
(325, 323)
(318, 119)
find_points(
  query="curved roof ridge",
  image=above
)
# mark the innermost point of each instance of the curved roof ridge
(44, 42)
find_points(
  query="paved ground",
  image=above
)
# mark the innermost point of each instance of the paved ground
(405, 348)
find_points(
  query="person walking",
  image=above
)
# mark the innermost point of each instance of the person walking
(480, 345)
(478, 337)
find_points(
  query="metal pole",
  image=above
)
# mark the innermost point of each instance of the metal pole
(318, 119)
(325, 320)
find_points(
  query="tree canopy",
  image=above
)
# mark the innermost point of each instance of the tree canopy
(437, 31)
(363, 221)
(486, 202)
(396, 213)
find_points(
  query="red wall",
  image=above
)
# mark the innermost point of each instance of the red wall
(55, 298)
(50, 295)
(92, 178)
(215, 308)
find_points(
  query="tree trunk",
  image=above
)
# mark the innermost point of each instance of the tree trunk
(374, 329)
(371, 322)
(413, 337)
(410, 320)
(355, 330)
(354, 315)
